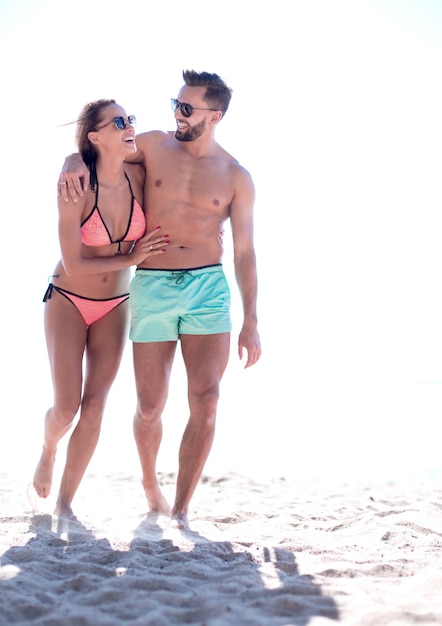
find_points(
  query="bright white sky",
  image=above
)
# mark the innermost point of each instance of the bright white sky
(336, 113)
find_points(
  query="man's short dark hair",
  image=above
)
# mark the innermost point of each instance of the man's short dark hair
(217, 94)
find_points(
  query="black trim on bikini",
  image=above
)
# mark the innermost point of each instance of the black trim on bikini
(95, 207)
(51, 286)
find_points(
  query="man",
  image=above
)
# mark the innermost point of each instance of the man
(192, 187)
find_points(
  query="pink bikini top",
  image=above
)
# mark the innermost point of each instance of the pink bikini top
(94, 231)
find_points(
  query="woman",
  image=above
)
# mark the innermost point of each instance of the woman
(86, 303)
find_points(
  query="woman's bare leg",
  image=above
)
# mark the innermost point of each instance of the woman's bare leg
(65, 340)
(105, 345)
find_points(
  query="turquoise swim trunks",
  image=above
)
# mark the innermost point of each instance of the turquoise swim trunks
(165, 304)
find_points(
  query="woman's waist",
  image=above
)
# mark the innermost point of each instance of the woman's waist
(106, 285)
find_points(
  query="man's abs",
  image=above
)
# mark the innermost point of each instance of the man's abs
(185, 257)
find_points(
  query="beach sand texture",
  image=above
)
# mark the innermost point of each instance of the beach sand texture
(271, 553)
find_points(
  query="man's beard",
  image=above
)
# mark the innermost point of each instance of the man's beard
(191, 133)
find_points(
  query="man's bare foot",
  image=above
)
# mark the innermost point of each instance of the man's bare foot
(157, 502)
(43, 474)
(179, 520)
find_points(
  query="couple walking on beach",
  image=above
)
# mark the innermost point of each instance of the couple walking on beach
(157, 201)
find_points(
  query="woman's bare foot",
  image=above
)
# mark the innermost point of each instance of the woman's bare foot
(156, 501)
(65, 511)
(180, 521)
(34, 501)
(43, 474)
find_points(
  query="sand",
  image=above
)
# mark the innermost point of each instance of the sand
(268, 553)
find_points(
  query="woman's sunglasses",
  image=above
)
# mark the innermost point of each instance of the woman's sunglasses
(121, 122)
(186, 109)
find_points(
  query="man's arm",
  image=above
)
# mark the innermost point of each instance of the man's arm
(241, 219)
(74, 177)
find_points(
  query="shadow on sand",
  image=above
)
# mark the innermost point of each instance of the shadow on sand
(65, 576)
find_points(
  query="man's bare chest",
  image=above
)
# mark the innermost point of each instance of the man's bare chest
(198, 186)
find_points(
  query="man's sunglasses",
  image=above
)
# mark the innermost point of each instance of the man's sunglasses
(186, 109)
(121, 122)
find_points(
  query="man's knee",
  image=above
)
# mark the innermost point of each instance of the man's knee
(205, 398)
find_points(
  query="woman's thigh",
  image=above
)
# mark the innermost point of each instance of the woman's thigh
(106, 342)
(66, 336)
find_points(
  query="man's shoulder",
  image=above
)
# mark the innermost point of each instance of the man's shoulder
(233, 163)
(239, 172)
(152, 137)
(148, 143)
(240, 177)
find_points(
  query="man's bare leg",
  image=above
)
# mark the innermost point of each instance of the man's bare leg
(148, 438)
(152, 365)
(194, 450)
(206, 359)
